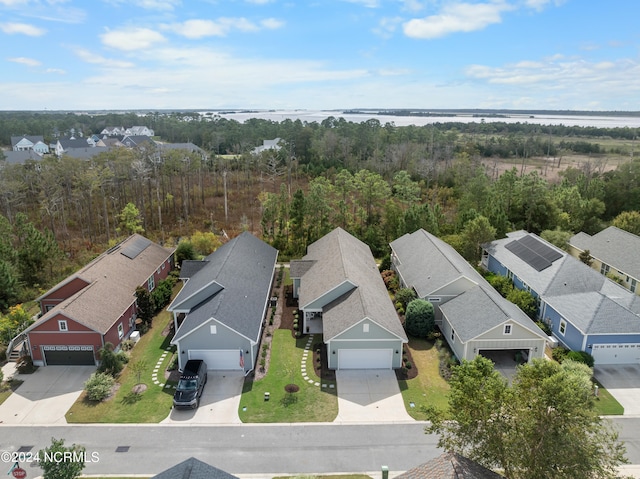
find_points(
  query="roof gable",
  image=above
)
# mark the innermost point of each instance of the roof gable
(192, 468)
(612, 246)
(338, 258)
(243, 270)
(450, 465)
(113, 279)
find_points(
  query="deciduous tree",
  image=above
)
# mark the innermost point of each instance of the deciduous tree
(62, 462)
(544, 425)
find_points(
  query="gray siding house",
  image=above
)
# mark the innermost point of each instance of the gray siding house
(220, 311)
(471, 314)
(342, 296)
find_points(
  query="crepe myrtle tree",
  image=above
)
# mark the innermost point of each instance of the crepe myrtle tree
(62, 462)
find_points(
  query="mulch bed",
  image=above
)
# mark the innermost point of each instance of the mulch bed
(404, 373)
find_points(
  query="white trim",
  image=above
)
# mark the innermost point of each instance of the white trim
(330, 291)
(366, 318)
(172, 306)
(562, 327)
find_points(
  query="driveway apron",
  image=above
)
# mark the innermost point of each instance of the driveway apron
(45, 396)
(367, 396)
(219, 402)
(623, 382)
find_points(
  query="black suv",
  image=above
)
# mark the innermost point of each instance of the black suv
(191, 384)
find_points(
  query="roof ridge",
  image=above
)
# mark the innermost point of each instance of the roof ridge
(437, 246)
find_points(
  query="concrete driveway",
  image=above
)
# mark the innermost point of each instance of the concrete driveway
(45, 396)
(623, 382)
(366, 396)
(219, 402)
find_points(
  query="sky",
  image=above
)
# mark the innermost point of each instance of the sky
(319, 54)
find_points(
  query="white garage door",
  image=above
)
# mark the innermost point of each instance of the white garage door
(365, 358)
(616, 353)
(223, 359)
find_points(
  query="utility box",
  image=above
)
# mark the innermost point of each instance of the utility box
(267, 396)
(385, 472)
(135, 336)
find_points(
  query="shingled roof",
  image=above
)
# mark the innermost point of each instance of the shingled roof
(236, 280)
(112, 279)
(613, 246)
(450, 465)
(192, 468)
(334, 259)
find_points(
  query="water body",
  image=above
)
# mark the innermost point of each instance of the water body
(539, 119)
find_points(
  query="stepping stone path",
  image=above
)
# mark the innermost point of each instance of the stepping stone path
(303, 364)
(158, 367)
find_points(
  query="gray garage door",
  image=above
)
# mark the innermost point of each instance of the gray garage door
(68, 355)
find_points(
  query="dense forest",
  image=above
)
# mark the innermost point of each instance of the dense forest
(466, 182)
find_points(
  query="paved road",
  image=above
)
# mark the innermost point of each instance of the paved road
(250, 449)
(253, 449)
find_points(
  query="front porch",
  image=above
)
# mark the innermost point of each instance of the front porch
(312, 322)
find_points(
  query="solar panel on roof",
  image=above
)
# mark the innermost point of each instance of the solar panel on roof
(137, 246)
(542, 249)
(529, 255)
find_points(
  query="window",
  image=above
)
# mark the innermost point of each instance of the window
(120, 331)
(453, 334)
(633, 286)
(604, 269)
(213, 329)
(62, 325)
(151, 283)
(510, 275)
(507, 329)
(365, 328)
(563, 327)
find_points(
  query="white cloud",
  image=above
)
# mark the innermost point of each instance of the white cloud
(540, 5)
(164, 5)
(91, 57)
(59, 71)
(387, 26)
(457, 17)
(366, 3)
(132, 38)
(13, 3)
(272, 23)
(221, 27)
(412, 5)
(25, 61)
(23, 28)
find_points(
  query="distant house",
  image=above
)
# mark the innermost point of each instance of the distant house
(65, 144)
(85, 153)
(113, 131)
(138, 131)
(20, 157)
(188, 147)
(97, 304)
(585, 310)
(267, 145)
(136, 141)
(342, 296)
(471, 314)
(614, 252)
(27, 142)
(450, 465)
(220, 311)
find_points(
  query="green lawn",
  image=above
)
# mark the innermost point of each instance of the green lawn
(310, 404)
(606, 404)
(7, 387)
(151, 406)
(428, 388)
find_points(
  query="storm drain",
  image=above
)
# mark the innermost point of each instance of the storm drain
(122, 448)
(24, 448)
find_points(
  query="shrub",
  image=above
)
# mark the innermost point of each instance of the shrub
(1, 376)
(385, 262)
(184, 251)
(404, 296)
(399, 307)
(24, 365)
(161, 295)
(580, 357)
(420, 318)
(110, 362)
(501, 284)
(390, 280)
(545, 327)
(407, 365)
(99, 386)
(127, 345)
(3, 352)
(559, 353)
(524, 300)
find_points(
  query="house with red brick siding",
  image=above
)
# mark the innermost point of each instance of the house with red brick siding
(97, 304)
